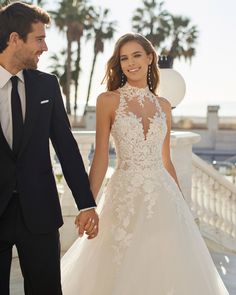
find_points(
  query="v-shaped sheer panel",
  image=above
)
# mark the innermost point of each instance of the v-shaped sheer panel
(144, 111)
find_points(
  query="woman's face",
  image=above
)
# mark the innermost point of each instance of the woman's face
(134, 63)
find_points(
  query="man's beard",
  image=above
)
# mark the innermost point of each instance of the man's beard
(30, 64)
(25, 62)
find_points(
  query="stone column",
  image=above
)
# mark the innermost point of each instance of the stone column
(181, 154)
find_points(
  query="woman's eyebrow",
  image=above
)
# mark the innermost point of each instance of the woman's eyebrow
(135, 52)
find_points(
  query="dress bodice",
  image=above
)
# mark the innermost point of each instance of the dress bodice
(139, 129)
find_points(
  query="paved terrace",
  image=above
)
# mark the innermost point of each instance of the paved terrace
(225, 263)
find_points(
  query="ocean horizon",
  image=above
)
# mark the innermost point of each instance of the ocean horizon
(227, 109)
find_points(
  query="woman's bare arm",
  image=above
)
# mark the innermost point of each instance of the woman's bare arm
(105, 109)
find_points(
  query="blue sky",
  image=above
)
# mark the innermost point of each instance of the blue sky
(210, 78)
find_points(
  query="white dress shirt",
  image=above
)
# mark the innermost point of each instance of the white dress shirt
(5, 101)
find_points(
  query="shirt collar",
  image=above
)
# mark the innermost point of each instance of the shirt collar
(5, 76)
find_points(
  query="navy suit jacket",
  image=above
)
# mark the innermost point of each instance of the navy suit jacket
(31, 171)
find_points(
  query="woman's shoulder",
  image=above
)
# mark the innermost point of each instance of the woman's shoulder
(108, 97)
(164, 103)
(108, 102)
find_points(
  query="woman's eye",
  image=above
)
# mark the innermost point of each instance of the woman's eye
(123, 58)
(137, 55)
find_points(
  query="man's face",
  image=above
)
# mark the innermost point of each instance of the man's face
(28, 52)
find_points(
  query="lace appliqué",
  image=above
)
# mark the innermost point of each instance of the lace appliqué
(123, 207)
(140, 94)
(138, 157)
(140, 189)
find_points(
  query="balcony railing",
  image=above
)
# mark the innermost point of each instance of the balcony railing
(213, 201)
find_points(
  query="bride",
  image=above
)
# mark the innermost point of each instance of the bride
(148, 243)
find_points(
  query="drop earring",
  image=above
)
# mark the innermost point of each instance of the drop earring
(149, 80)
(122, 80)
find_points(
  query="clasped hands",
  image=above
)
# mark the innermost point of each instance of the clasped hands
(87, 222)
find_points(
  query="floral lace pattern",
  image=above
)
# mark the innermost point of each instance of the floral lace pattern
(140, 174)
(138, 156)
(148, 241)
(138, 190)
(140, 94)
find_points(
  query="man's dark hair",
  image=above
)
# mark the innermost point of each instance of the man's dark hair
(18, 17)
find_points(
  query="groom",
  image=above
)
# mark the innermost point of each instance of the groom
(31, 113)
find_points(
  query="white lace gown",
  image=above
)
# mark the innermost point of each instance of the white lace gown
(148, 242)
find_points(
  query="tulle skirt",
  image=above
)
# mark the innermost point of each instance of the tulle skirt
(148, 244)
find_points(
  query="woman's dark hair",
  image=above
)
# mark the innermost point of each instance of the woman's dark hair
(18, 17)
(113, 75)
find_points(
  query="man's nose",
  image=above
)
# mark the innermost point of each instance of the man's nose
(45, 47)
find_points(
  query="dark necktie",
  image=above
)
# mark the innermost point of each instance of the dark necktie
(17, 116)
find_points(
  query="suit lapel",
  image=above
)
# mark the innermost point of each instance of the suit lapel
(4, 144)
(32, 106)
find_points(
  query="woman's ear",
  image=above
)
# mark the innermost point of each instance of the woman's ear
(150, 58)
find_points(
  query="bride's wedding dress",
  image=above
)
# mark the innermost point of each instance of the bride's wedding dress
(148, 243)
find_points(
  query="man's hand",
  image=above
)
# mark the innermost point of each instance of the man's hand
(87, 222)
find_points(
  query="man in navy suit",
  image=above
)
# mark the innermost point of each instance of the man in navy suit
(31, 114)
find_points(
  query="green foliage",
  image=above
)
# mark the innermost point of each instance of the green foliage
(37, 2)
(73, 17)
(171, 35)
(101, 31)
(4, 2)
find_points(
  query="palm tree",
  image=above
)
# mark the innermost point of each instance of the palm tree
(182, 39)
(102, 30)
(87, 17)
(38, 2)
(70, 18)
(58, 68)
(173, 36)
(65, 20)
(152, 21)
(4, 2)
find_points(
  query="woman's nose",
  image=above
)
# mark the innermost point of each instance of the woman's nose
(131, 61)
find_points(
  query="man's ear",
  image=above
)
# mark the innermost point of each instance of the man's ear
(14, 38)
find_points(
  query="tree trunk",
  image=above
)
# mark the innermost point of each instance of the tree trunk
(90, 79)
(77, 73)
(68, 75)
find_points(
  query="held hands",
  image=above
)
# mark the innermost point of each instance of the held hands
(87, 222)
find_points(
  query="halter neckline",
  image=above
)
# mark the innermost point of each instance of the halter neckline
(135, 89)
(133, 92)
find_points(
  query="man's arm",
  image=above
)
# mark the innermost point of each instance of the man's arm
(71, 161)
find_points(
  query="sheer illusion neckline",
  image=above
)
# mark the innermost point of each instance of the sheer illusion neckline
(141, 105)
(144, 129)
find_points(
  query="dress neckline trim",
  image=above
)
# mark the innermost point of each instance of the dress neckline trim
(132, 92)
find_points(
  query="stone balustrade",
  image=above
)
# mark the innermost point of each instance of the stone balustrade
(213, 201)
